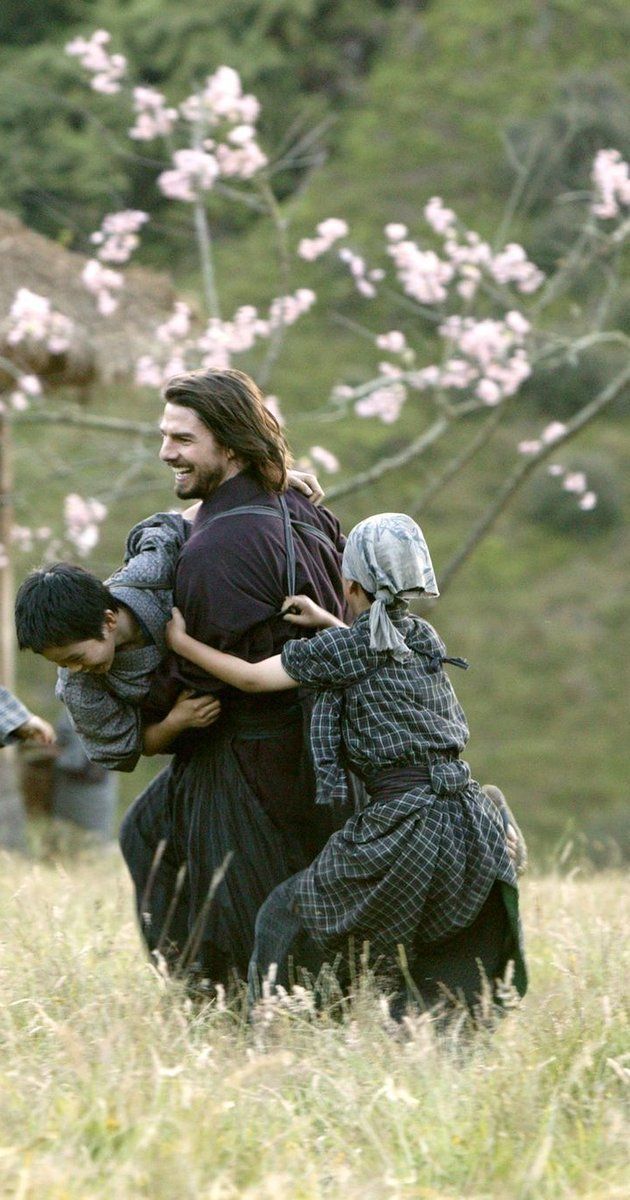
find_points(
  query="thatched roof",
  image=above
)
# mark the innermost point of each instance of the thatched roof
(104, 348)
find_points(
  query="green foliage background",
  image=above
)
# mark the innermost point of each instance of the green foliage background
(408, 100)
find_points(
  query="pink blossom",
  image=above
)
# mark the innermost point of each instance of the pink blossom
(488, 356)
(384, 403)
(82, 519)
(365, 288)
(325, 458)
(422, 274)
(341, 392)
(363, 280)
(440, 219)
(574, 481)
(395, 232)
(177, 326)
(517, 323)
(153, 117)
(553, 431)
(530, 447)
(22, 537)
(555, 469)
(488, 391)
(394, 341)
(329, 231)
(457, 373)
(221, 99)
(118, 235)
(469, 253)
(18, 401)
(194, 172)
(332, 229)
(148, 373)
(106, 69)
(511, 265)
(470, 278)
(612, 184)
(242, 162)
(588, 501)
(285, 310)
(426, 377)
(31, 316)
(310, 248)
(31, 385)
(240, 135)
(102, 283)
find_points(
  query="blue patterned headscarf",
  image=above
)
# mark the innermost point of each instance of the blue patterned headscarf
(388, 555)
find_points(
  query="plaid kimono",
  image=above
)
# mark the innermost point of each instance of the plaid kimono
(12, 715)
(419, 861)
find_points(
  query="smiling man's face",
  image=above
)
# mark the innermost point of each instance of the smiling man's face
(200, 465)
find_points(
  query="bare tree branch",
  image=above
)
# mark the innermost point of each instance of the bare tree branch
(83, 421)
(460, 461)
(384, 465)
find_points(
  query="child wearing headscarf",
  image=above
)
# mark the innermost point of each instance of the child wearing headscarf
(424, 865)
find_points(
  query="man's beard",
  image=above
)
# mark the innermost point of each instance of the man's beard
(200, 484)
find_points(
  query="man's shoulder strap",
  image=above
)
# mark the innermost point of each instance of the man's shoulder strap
(289, 522)
(266, 510)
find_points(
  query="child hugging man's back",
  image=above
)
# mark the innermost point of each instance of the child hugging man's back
(425, 864)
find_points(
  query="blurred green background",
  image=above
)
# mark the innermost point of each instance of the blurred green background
(398, 101)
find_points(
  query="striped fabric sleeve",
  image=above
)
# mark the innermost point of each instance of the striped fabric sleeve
(12, 714)
(316, 661)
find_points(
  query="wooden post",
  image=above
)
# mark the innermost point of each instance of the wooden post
(12, 821)
(7, 636)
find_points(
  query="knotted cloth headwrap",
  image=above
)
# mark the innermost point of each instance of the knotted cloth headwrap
(388, 555)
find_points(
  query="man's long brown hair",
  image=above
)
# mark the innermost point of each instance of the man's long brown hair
(231, 406)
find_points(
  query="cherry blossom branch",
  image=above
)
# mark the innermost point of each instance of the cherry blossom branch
(521, 474)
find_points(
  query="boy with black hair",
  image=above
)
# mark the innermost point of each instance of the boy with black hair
(107, 639)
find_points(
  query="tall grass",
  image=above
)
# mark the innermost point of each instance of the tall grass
(113, 1085)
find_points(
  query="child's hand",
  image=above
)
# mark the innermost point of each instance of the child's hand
(195, 712)
(190, 513)
(37, 730)
(175, 628)
(301, 610)
(306, 483)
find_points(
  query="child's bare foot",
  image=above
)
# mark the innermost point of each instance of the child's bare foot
(517, 846)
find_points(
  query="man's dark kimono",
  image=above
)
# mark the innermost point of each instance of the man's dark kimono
(245, 786)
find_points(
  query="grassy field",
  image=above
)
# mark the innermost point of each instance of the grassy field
(113, 1086)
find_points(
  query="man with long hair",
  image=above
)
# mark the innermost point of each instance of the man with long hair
(235, 813)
